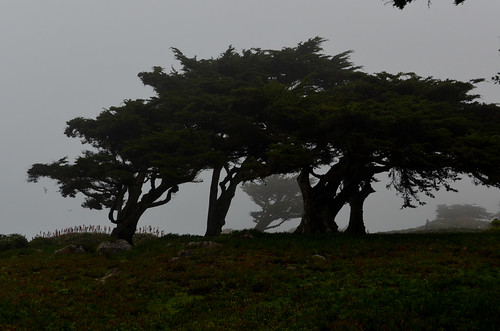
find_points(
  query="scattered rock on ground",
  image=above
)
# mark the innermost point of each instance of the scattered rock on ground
(111, 273)
(112, 247)
(70, 249)
(319, 257)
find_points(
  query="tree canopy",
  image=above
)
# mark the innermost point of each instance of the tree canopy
(134, 164)
(211, 114)
(248, 102)
(422, 131)
(260, 112)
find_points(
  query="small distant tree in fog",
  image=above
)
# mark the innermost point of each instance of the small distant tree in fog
(279, 199)
(457, 211)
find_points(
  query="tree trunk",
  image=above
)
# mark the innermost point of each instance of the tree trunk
(261, 226)
(319, 215)
(320, 208)
(126, 227)
(219, 206)
(356, 221)
(126, 218)
(212, 223)
(264, 219)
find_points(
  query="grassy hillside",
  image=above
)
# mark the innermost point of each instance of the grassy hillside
(464, 224)
(257, 281)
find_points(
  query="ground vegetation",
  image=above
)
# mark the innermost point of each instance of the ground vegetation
(256, 281)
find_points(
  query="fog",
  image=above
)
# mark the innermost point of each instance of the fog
(63, 59)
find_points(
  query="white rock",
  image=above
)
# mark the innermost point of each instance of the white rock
(112, 247)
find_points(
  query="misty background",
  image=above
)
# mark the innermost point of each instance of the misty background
(63, 59)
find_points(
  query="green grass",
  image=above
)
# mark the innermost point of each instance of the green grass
(270, 281)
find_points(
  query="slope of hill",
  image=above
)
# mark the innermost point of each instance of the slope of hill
(255, 281)
(459, 224)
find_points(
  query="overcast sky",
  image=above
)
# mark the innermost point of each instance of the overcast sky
(63, 59)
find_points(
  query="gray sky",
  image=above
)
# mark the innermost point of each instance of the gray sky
(67, 58)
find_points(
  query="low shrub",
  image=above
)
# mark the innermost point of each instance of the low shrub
(12, 241)
(89, 241)
(495, 223)
(88, 236)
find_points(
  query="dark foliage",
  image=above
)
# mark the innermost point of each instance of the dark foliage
(401, 4)
(12, 241)
(260, 112)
